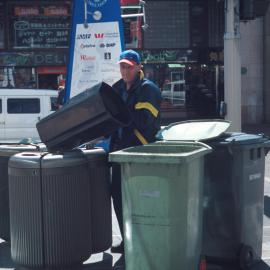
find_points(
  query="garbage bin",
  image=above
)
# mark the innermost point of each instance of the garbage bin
(96, 112)
(6, 151)
(100, 199)
(233, 189)
(162, 205)
(49, 209)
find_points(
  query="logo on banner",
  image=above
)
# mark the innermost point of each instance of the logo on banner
(112, 35)
(84, 36)
(102, 45)
(83, 46)
(99, 35)
(107, 56)
(88, 58)
(97, 3)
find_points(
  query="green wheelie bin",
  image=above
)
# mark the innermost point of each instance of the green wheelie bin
(162, 191)
(233, 189)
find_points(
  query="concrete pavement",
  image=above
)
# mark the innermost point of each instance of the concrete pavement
(108, 261)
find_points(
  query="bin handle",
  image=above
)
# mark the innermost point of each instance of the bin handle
(266, 146)
(204, 145)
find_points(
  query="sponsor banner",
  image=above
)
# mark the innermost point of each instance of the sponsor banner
(96, 43)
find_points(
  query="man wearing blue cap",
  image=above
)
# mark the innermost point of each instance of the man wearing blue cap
(143, 99)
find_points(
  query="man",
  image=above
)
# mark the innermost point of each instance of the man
(60, 99)
(143, 99)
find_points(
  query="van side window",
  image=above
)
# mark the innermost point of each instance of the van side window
(23, 105)
(0, 105)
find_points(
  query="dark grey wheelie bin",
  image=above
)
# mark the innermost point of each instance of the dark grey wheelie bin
(6, 151)
(97, 111)
(49, 209)
(233, 189)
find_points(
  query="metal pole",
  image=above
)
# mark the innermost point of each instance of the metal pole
(232, 64)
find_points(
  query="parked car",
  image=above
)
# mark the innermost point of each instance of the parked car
(175, 92)
(21, 109)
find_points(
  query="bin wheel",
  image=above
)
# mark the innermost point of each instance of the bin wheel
(246, 257)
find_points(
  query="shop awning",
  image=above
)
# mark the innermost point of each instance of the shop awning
(52, 70)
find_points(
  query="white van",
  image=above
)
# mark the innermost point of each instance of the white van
(175, 92)
(21, 109)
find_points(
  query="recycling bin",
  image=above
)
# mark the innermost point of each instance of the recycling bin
(49, 209)
(96, 112)
(233, 189)
(6, 151)
(162, 188)
(100, 199)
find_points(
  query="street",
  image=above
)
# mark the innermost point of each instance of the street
(108, 261)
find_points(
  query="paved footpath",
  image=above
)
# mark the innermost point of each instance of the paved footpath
(108, 261)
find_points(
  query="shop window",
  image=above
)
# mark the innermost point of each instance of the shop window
(23, 105)
(17, 78)
(24, 77)
(2, 44)
(39, 25)
(132, 25)
(2, 26)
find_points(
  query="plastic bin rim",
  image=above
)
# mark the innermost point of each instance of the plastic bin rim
(32, 160)
(174, 158)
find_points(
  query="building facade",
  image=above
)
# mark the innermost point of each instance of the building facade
(34, 38)
(182, 50)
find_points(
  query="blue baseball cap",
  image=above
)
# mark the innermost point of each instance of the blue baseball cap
(130, 57)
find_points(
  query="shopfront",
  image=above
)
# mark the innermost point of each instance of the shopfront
(182, 52)
(33, 52)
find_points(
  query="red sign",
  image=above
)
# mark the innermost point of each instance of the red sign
(129, 2)
(26, 11)
(55, 11)
(52, 70)
(99, 35)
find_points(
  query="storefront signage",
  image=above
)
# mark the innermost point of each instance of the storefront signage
(96, 43)
(26, 11)
(40, 27)
(56, 11)
(33, 59)
(163, 56)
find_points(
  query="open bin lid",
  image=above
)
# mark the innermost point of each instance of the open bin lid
(193, 130)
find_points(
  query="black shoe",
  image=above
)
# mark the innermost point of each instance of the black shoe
(118, 249)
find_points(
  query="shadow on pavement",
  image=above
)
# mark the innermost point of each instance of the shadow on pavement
(104, 264)
(261, 265)
(267, 206)
(5, 256)
(120, 264)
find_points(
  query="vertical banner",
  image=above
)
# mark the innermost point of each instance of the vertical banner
(96, 43)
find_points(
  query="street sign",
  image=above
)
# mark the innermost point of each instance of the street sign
(95, 45)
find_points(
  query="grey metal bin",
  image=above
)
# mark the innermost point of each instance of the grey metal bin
(6, 151)
(233, 189)
(49, 209)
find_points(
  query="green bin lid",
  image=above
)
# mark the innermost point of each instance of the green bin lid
(193, 130)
